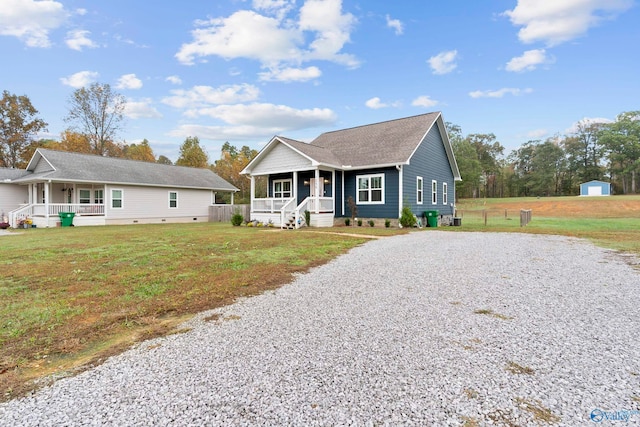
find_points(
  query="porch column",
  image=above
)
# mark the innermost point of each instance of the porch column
(317, 181)
(233, 193)
(46, 201)
(294, 188)
(333, 190)
(343, 195)
(252, 191)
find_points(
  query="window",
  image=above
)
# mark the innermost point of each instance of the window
(98, 197)
(116, 199)
(445, 199)
(84, 196)
(370, 189)
(282, 188)
(419, 190)
(173, 199)
(434, 192)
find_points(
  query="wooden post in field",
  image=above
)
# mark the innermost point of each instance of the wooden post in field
(525, 217)
(484, 214)
(505, 214)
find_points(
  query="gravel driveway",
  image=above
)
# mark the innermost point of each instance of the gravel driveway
(431, 328)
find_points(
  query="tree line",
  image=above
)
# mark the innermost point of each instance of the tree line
(553, 167)
(95, 116)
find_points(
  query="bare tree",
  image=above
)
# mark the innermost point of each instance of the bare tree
(96, 112)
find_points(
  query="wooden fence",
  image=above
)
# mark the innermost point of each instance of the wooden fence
(223, 213)
(494, 215)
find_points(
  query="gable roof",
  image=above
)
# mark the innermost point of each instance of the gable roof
(381, 144)
(62, 166)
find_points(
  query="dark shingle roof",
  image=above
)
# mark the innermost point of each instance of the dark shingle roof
(391, 142)
(319, 154)
(77, 167)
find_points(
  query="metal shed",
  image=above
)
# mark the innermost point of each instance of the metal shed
(595, 188)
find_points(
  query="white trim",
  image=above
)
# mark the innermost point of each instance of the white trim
(400, 170)
(369, 177)
(80, 190)
(169, 199)
(445, 194)
(282, 192)
(121, 198)
(434, 192)
(419, 190)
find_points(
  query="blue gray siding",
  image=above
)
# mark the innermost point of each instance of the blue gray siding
(431, 163)
(391, 190)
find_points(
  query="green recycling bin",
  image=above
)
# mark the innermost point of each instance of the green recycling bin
(432, 218)
(66, 218)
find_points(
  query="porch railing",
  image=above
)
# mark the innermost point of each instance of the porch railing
(325, 204)
(39, 210)
(286, 210)
(269, 205)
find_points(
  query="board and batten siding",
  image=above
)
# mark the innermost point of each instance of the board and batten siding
(12, 196)
(153, 202)
(391, 190)
(431, 163)
(281, 159)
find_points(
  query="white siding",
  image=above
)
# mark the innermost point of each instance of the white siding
(150, 202)
(281, 159)
(12, 196)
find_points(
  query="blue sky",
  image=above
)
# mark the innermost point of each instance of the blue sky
(245, 70)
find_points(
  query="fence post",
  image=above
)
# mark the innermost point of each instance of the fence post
(484, 214)
(525, 217)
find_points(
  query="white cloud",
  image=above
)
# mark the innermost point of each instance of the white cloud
(424, 101)
(555, 22)
(31, 21)
(80, 79)
(256, 121)
(291, 74)
(129, 81)
(275, 41)
(141, 109)
(537, 133)
(78, 39)
(586, 122)
(528, 61)
(375, 103)
(174, 80)
(499, 93)
(396, 24)
(444, 62)
(202, 96)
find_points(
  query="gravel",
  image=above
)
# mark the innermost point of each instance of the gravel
(430, 328)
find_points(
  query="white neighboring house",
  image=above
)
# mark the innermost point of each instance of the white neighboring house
(105, 190)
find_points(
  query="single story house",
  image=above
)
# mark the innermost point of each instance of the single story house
(381, 167)
(595, 188)
(105, 190)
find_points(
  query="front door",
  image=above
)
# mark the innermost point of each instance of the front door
(312, 185)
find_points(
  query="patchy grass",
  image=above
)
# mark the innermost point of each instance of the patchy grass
(611, 222)
(517, 369)
(489, 312)
(73, 296)
(540, 413)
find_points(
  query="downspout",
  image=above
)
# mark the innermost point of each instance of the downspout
(399, 169)
(342, 193)
(333, 190)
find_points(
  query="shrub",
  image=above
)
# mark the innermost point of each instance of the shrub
(352, 208)
(347, 221)
(359, 223)
(236, 219)
(371, 223)
(387, 223)
(307, 218)
(407, 219)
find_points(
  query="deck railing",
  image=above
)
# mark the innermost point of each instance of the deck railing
(269, 205)
(40, 210)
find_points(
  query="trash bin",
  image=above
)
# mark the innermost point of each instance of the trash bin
(457, 222)
(66, 218)
(432, 218)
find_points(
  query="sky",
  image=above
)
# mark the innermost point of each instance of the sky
(243, 71)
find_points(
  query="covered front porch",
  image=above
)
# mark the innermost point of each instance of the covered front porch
(290, 194)
(46, 200)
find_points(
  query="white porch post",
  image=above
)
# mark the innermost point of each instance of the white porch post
(317, 183)
(343, 195)
(295, 187)
(333, 190)
(46, 201)
(232, 194)
(252, 192)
